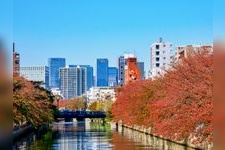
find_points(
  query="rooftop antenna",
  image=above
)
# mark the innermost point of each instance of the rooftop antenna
(13, 47)
(160, 39)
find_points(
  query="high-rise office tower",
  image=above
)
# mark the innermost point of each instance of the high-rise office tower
(102, 72)
(112, 76)
(16, 60)
(141, 67)
(54, 64)
(161, 57)
(121, 67)
(36, 74)
(90, 74)
(73, 81)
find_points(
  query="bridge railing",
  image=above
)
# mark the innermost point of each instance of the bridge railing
(85, 114)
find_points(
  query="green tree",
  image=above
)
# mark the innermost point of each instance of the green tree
(93, 106)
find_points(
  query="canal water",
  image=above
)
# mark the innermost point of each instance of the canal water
(87, 135)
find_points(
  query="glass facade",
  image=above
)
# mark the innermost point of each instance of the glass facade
(36, 74)
(90, 74)
(141, 67)
(112, 76)
(54, 64)
(102, 72)
(73, 81)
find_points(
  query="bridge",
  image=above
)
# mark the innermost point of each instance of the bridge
(81, 115)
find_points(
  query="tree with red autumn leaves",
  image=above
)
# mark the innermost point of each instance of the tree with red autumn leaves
(31, 103)
(176, 105)
(75, 103)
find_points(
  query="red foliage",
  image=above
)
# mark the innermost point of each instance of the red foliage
(176, 105)
(61, 103)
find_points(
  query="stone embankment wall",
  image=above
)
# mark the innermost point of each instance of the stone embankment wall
(187, 142)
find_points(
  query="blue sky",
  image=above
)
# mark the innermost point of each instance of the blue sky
(83, 30)
(218, 19)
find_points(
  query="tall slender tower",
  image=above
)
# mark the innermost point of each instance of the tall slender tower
(121, 67)
(16, 60)
(102, 72)
(54, 65)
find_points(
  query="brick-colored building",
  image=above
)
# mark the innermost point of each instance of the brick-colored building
(132, 73)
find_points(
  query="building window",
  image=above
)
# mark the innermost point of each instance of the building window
(157, 46)
(164, 57)
(157, 53)
(157, 64)
(157, 58)
(17, 62)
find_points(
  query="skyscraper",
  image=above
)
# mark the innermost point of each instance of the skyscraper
(36, 74)
(90, 74)
(112, 76)
(102, 72)
(161, 57)
(54, 64)
(16, 60)
(73, 81)
(141, 67)
(121, 67)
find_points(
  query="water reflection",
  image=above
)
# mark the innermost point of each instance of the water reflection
(144, 141)
(92, 136)
(81, 135)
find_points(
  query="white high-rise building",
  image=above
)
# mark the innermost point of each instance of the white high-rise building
(161, 54)
(73, 81)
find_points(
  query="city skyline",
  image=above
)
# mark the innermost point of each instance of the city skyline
(106, 30)
(139, 72)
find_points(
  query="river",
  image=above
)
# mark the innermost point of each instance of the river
(87, 135)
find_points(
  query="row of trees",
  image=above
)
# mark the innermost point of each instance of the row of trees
(76, 103)
(31, 103)
(79, 103)
(177, 105)
(105, 105)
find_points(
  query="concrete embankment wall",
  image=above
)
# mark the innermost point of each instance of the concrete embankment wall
(26, 129)
(21, 131)
(186, 142)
